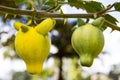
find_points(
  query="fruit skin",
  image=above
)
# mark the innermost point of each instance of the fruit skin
(45, 26)
(88, 42)
(99, 21)
(32, 46)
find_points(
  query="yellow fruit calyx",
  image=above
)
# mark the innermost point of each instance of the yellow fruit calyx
(20, 26)
(45, 26)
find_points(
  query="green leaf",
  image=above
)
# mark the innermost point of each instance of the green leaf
(80, 22)
(93, 6)
(104, 27)
(50, 3)
(61, 0)
(110, 18)
(117, 6)
(18, 2)
(76, 3)
(89, 6)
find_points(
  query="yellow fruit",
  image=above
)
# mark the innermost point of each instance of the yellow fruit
(32, 46)
(45, 26)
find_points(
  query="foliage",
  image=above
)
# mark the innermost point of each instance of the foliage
(117, 6)
(89, 44)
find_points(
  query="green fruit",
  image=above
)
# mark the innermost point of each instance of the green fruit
(98, 22)
(88, 42)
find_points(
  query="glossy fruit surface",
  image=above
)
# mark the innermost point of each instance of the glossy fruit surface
(88, 42)
(33, 47)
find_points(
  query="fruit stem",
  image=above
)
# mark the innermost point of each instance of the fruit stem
(98, 22)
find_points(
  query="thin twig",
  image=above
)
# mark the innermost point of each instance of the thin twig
(105, 10)
(111, 11)
(3, 32)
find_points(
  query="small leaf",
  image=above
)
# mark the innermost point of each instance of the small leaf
(89, 6)
(6, 15)
(104, 27)
(111, 18)
(117, 6)
(18, 2)
(80, 22)
(93, 6)
(76, 3)
(61, 12)
(50, 3)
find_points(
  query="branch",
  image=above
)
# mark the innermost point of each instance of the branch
(54, 15)
(105, 10)
(43, 14)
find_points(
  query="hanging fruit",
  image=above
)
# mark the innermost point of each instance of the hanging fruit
(88, 41)
(33, 44)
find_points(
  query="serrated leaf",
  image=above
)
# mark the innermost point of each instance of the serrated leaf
(76, 3)
(61, 12)
(80, 22)
(93, 6)
(117, 6)
(89, 6)
(104, 27)
(18, 2)
(110, 18)
(50, 3)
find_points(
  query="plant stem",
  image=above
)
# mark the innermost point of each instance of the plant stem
(43, 14)
(105, 10)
